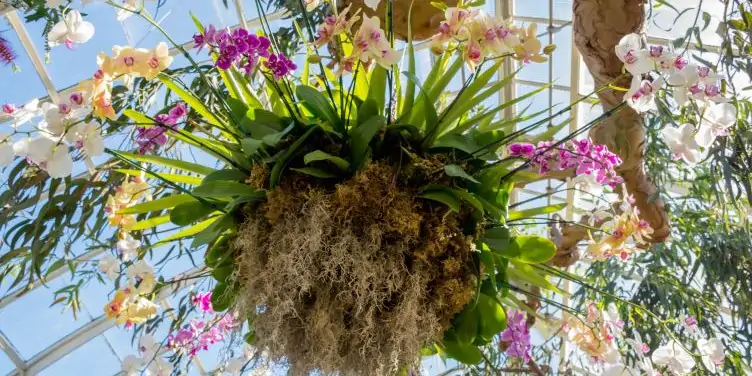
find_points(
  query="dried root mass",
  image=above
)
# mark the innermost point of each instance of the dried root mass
(353, 279)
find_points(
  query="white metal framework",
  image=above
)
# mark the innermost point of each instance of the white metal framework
(502, 8)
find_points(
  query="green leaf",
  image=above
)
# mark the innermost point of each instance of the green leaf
(457, 141)
(497, 238)
(230, 174)
(319, 155)
(175, 178)
(319, 105)
(222, 273)
(493, 318)
(259, 123)
(140, 119)
(251, 146)
(525, 273)
(457, 171)
(192, 101)
(223, 297)
(285, 157)
(444, 197)
(532, 249)
(190, 231)
(468, 197)
(466, 325)
(189, 212)
(167, 162)
(209, 234)
(551, 132)
(218, 252)
(315, 172)
(360, 137)
(428, 111)
(528, 213)
(467, 354)
(159, 204)
(410, 89)
(377, 88)
(151, 222)
(223, 188)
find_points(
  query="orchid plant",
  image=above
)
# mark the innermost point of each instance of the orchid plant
(266, 111)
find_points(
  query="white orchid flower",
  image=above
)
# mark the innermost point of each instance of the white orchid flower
(619, 370)
(681, 142)
(713, 353)
(6, 150)
(128, 247)
(673, 356)
(19, 116)
(641, 94)
(635, 58)
(87, 138)
(48, 154)
(159, 367)
(130, 6)
(706, 76)
(71, 30)
(142, 272)
(716, 122)
(130, 366)
(235, 365)
(373, 4)
(638, 346)
(110, 266)
(148, 347)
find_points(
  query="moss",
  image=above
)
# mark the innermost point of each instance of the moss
(352, 278)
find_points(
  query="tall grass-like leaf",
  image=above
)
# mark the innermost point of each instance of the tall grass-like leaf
(410, 89)
(193, 102)
(429, 109)
(159, 204)
(360, 137)
(224, 188)
(167, 162)
(377, 88)
(549, 209)
(141, 119)
(190, 231)
(287, 155)
(319, 155)
(320, 106)
(175, 178)
(150, 223)
(466, 105)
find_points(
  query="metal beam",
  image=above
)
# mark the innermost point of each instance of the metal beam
(31, 50)
(7, 347)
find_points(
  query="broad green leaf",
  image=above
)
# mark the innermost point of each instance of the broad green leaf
(457, 141)
(222, 273)
(259, 123)
(222, 297)
(189, 212)
(361, 136)
(159, 204)
(497, 238)
(444, 197)
(457, 171)
(251, 146)
(467, 354)
(190, 231)
(525, 273)
(467, 197)
(320, 106)
(167, 162)
(223, 188)
(466, 325)
(319, 155)
(175, 178)
(315, 172)
(532, 249)
(423, 111)
(192, 101)
(211, 233)
(493, 318)
(377, 88)
(151, 222)
(284, 159)
(528, 213)
(230, 174)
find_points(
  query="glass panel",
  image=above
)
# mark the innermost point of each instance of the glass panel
(563, 10)
(95, 355)
(667, 23)
(6, 366)
(539, 102)
(26, 83)
(31, 310)
(561, 59)
(531, 8)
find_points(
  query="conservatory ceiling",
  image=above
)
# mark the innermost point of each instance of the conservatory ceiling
(36, 339)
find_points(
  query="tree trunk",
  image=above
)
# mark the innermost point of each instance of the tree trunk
(598, 27)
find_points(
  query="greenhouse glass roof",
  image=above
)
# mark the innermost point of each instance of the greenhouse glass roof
(36, 339)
